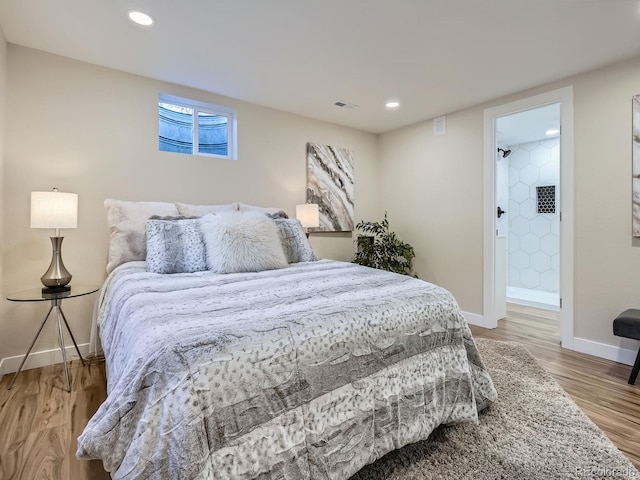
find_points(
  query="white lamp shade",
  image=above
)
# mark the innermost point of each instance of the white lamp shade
(54, 210)
(308, 215)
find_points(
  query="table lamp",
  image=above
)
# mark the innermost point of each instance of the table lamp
(308, 215)
(55, 210)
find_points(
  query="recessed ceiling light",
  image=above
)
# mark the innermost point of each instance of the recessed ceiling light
(141, 18)
(552, 131)
(391, 105)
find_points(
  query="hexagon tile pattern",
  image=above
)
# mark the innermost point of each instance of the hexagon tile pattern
(534, 244)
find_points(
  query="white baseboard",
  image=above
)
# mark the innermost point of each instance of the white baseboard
(531, 303)
(41, 359)
(602, 350)
(597, 349)
(474, 319)
(534, 298)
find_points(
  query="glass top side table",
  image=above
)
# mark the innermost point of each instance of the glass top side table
(36, 295)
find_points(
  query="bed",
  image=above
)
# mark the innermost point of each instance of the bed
(310, 371)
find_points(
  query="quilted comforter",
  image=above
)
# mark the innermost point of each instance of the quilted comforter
(308, 372)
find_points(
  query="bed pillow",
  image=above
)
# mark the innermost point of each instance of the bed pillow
(243, 207)
(200, 210)
(241, 242)
(127, 226)
(175, 245)
(294, 241)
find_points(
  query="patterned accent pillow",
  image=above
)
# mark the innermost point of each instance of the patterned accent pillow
(175, 245)
(241, 242)
(294, 241)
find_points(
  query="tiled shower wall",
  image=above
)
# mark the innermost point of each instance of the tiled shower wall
(502, 194)
(533, 239)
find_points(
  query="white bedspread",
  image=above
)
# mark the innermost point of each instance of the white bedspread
(308, 372)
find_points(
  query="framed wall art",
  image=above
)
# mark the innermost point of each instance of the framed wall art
(330, 184)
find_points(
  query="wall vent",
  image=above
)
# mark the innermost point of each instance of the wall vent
(440, 125)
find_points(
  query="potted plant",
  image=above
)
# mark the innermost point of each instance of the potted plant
(382, 249)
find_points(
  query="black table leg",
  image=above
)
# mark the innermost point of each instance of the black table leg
(636, 369)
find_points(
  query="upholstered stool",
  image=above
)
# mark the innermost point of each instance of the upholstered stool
(627, 325)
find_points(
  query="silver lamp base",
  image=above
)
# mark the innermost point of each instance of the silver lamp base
(56, 278)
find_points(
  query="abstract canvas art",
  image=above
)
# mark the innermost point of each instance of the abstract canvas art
(636, 166)
(330, 184)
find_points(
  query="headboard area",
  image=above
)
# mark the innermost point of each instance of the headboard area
(127, 222)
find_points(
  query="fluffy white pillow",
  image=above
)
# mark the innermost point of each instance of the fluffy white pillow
(241, 242)
(127, 228)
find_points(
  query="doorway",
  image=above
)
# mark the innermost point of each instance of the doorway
(527, 187)
(496, 241)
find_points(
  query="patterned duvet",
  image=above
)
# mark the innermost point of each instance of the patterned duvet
(308, 372)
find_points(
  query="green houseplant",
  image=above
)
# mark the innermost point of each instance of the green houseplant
(382, 249)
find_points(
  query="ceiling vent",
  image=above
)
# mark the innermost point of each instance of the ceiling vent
(345, 104)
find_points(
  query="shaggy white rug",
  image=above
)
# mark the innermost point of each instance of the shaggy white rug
(533, 432)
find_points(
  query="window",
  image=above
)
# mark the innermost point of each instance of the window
(195, 128)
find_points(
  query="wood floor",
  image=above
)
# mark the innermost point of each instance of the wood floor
(598, 386)
(40, 422)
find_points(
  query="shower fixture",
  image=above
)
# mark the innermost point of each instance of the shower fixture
(505, 153)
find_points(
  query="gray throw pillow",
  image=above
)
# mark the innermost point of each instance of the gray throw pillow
(175, 245)
(294, 241)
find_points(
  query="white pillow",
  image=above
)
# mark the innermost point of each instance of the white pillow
(243, 207)
(200, 210)
(241, 242)
(127, 228)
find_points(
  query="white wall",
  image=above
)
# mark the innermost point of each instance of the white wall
(502, 194)
(94, 131)
(432, 187)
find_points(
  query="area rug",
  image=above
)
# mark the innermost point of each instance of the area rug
(533, 432)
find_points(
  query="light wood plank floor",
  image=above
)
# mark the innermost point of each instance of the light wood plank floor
(598, 386)
(40, 422)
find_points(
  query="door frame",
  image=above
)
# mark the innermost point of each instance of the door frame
(564, 96)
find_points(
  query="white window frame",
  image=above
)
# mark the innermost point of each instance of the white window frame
(202, 107)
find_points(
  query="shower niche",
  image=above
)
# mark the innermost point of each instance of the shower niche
(546, 198)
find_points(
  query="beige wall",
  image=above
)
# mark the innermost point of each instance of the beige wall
(3, 98)
(607, 273)
(432, 188)
(94, 131)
